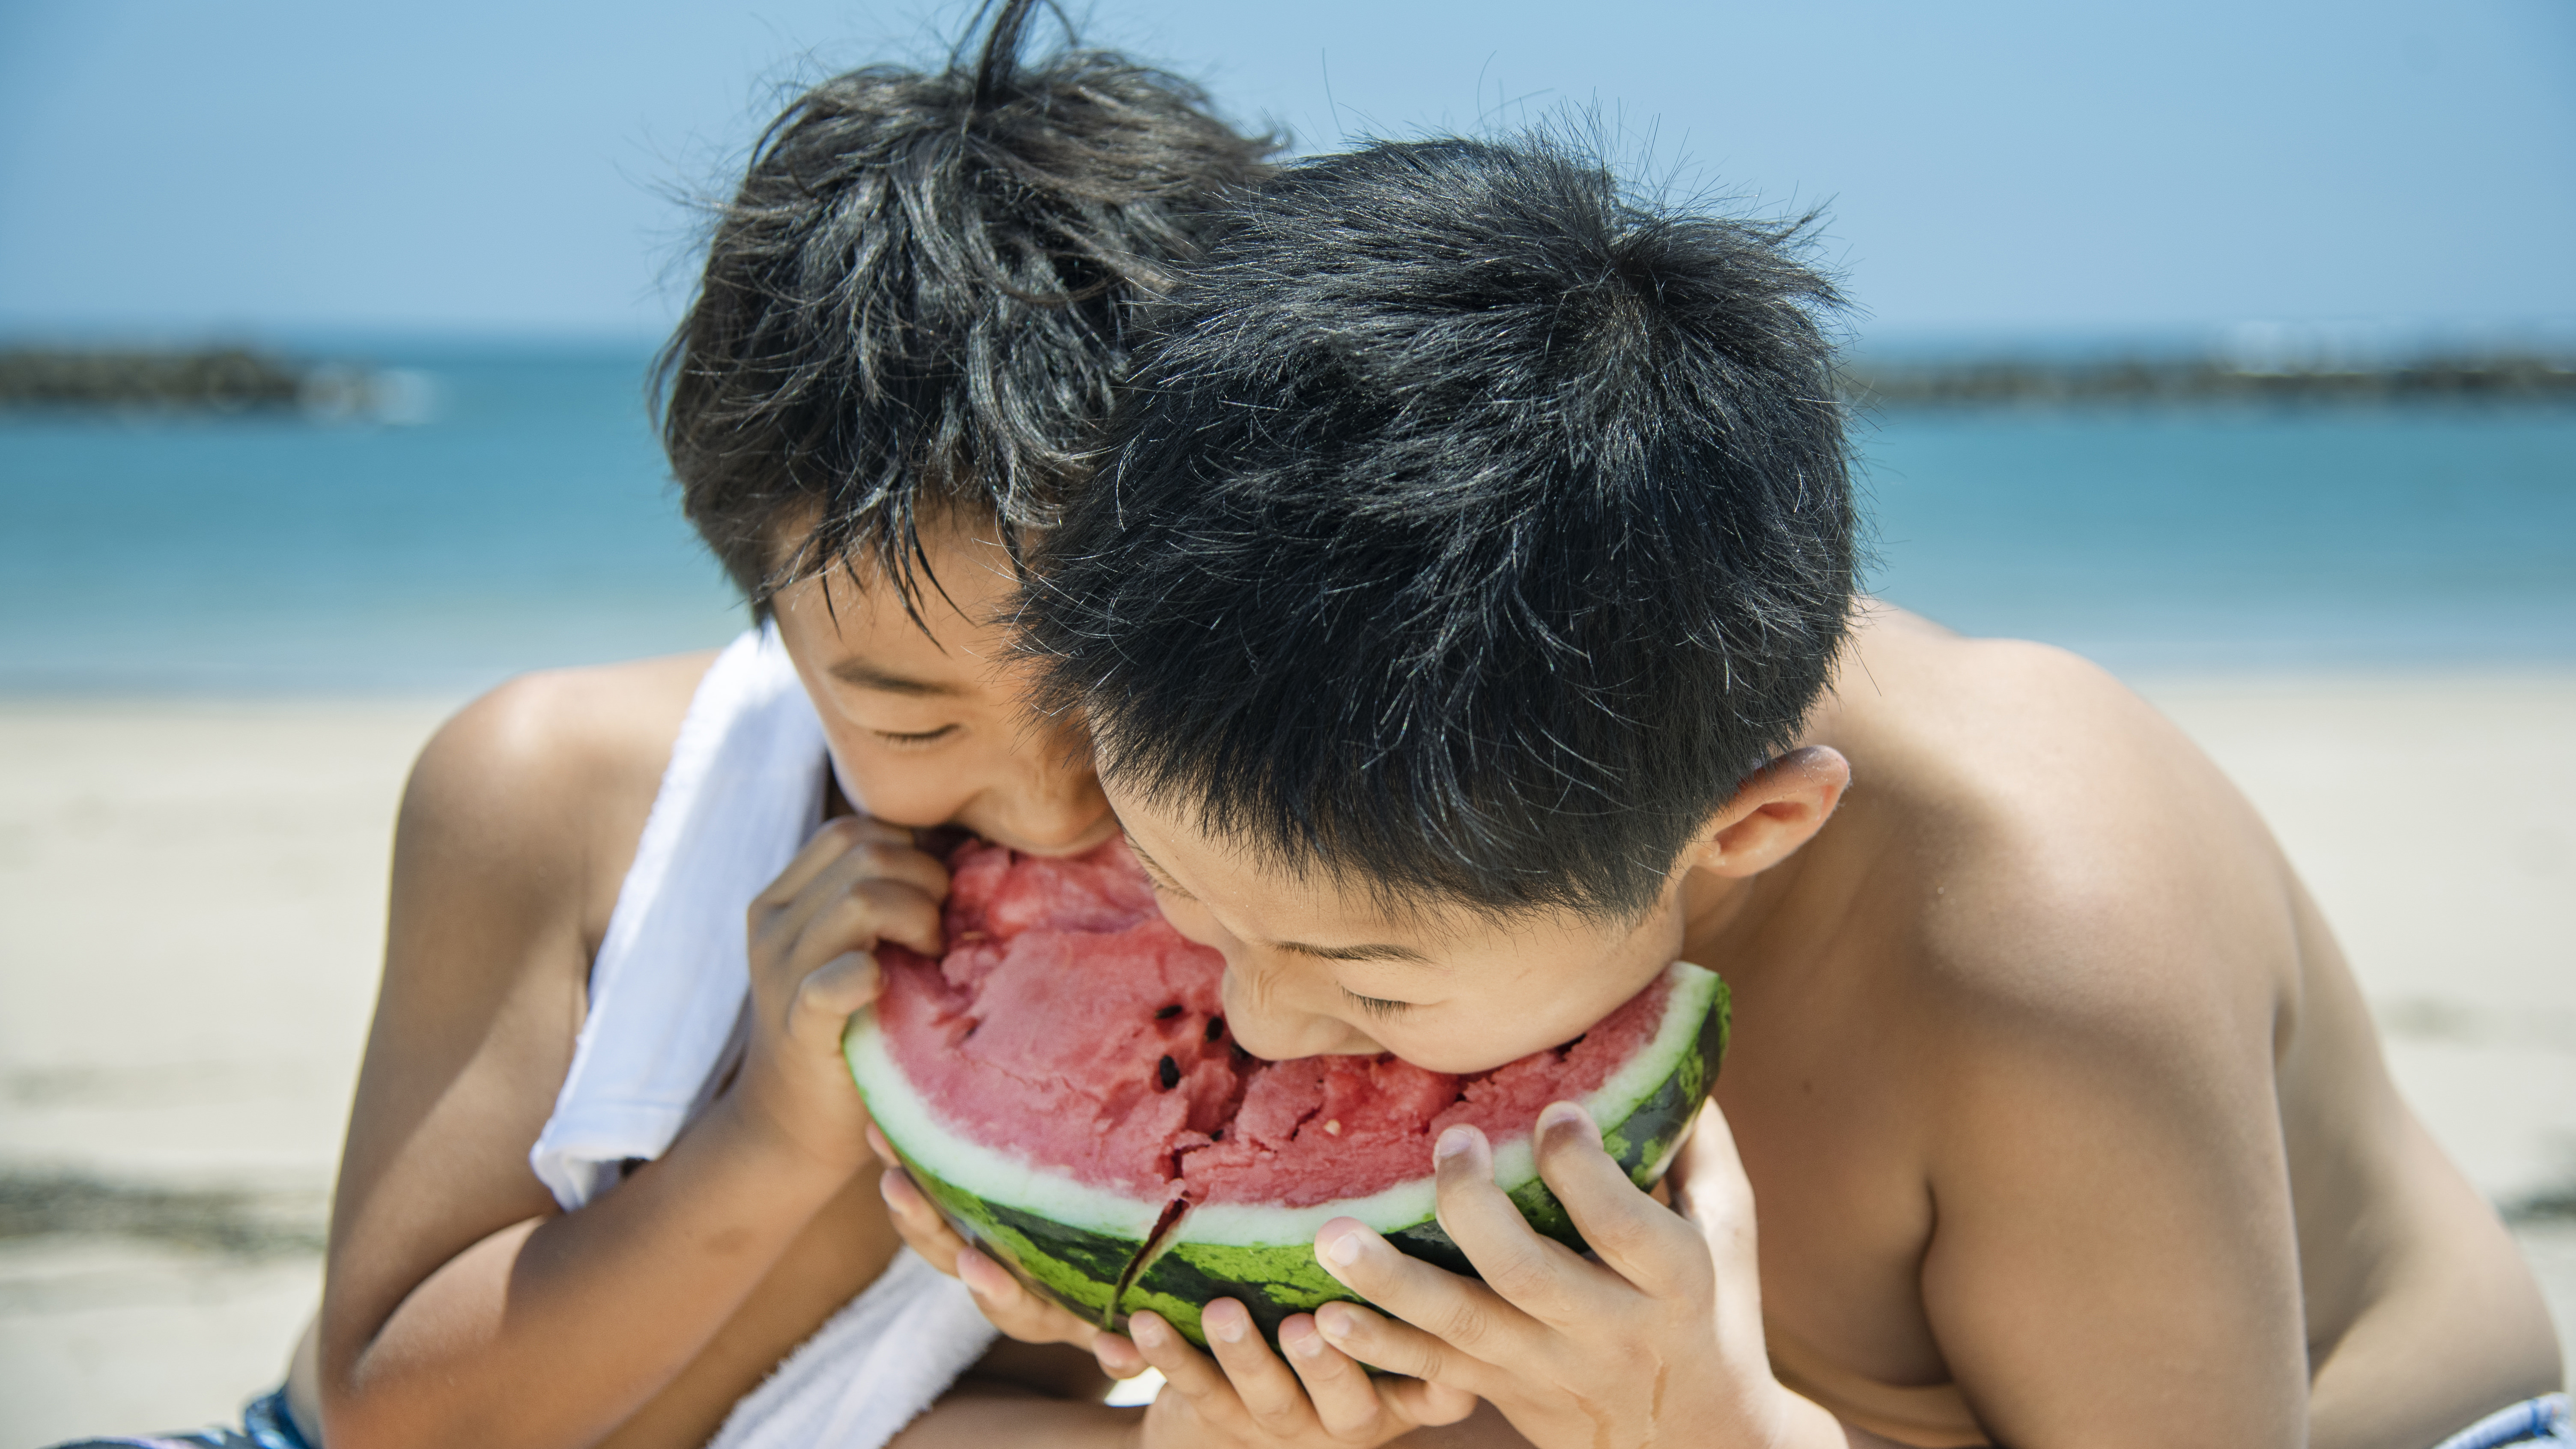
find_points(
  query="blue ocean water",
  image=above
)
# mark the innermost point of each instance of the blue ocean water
(2223, 538)
(529, 522)
(526, 522)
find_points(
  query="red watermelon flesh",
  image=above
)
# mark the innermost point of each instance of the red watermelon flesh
(1071, 1025)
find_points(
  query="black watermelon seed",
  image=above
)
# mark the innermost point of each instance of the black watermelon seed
(1171, 1074)
(1216, 1028)
(1168, 1012)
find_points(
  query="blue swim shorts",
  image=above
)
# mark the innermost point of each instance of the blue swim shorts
(265, 1425)
(2543, 1420)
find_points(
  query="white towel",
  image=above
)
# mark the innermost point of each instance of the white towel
(867, 1372)
(742, 794)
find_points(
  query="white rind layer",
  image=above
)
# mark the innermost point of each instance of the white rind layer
(908, 1120)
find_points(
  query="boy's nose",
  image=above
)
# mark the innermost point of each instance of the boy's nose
(1264, 1027)
(1057, 804)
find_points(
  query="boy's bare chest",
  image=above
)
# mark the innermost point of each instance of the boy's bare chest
(1835, 1154)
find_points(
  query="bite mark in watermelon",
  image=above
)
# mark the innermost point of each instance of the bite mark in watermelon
(1061, 1084)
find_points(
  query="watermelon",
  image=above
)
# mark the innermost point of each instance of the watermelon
(1062, 1085)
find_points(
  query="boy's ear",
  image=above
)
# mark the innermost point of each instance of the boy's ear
(1779, 809)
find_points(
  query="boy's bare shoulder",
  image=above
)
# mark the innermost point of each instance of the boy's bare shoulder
(2079, 948)
(2081, 856)
(546, 780)
(600, 722)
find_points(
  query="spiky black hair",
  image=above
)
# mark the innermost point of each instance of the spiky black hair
(1471, 528)
(917, 301)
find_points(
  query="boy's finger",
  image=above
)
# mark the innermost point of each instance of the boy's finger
(1423, 1403)
(866, 869)
(1633, 1235)
(1712, 1191)
(918, 1222)
(1717, 1202)
(1185, 1370)
(1400, 1348)
(1339, 1389)
(870, 911)
(1466, 1314)
(1117, 1357)
(1023, 1315)
(828, 844)
(1536, 1274)
(1270, 1393)
(900, 861)
(828, 995)
(1005, 1300)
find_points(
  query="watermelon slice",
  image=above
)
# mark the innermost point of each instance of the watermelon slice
(1063, 1086)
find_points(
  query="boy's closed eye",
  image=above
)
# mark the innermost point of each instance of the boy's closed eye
(1376, 1005)
(908, 739)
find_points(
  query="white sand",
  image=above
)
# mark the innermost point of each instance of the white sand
(191, 899)
(2434, 818)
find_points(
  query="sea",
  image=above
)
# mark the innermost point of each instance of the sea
(518, 516)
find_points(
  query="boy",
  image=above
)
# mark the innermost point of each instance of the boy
(911, 318)
(1465, 620)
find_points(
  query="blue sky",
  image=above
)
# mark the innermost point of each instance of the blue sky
(2004, 168)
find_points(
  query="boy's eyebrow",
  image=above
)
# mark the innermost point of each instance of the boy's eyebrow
(1155, 869)
(868, 676)
(1370, 952)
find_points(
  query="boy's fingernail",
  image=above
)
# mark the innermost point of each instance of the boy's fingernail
(1146, 1332)
(1452, 1142)
(1226, 1326)
(1345, 1250)
(1334, 1323)
(1309, 1346)
(1562, 1115)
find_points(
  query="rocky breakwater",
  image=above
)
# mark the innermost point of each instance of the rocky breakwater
(199, 380)
(2493, 378)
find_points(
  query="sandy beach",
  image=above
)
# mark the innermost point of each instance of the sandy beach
(191, 897)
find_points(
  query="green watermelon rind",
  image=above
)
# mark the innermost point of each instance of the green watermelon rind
(1090, 1250)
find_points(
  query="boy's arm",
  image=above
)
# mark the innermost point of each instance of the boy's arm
(2115, 1259)
(461, 1306)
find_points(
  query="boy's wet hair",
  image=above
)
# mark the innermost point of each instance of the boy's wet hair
(1472, 528)
(918, 302)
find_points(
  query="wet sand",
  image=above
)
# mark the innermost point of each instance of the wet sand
(192, 895)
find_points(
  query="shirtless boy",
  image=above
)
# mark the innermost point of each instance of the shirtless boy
(910, 322)
(1465, 619)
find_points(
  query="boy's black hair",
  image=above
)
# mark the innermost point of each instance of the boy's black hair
(1471, 528)
(918, 300)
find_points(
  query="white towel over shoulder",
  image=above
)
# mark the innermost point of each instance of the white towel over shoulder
(742, 794)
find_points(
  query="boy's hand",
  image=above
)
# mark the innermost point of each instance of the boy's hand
(1248, 1398)
(856, 883)
(1660, 1341)
(1013, 1309)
